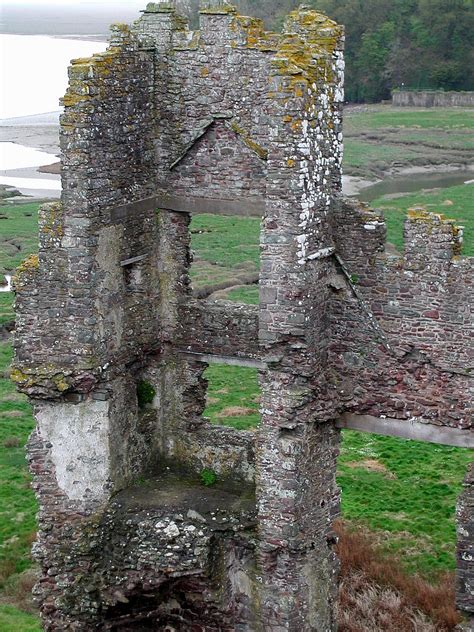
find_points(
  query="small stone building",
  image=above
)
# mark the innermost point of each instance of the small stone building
(111, 347)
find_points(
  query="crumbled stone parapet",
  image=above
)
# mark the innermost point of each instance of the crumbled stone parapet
(411, 358)
(431, 238)
(163, 6)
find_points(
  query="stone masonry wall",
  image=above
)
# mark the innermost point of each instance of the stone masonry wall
(87, 308)
(223, 329)
(221, 165)
(259, 113)
(297, 431)
(433, 98)
(402, 323)
(112, 350)
(465, 549)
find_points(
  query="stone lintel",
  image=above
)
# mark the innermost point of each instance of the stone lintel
(246, 207)
(210, 358)
(127, 211)
(414, 429)
(132, 260)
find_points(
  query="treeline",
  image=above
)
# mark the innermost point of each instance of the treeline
(393, 43)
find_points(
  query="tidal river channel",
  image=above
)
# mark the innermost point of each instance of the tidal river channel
(414, 182)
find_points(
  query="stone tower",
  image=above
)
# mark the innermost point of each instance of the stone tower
(111, 347)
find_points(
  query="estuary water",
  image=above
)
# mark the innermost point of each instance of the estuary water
(33, 71)
(33, 77)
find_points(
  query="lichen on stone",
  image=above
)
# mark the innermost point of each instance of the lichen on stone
(27, 269)
(51, 220)
(251, 144)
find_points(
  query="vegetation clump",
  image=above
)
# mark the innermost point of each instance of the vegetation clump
(208, 477)
(145, 393)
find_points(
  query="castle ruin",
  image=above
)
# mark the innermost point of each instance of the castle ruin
(111, 346)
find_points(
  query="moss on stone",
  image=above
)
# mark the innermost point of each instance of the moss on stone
(220, 8)
(208, 477)
(27, 268)
(28, 264)
(306, 50)
(70, 100)
(255, 35)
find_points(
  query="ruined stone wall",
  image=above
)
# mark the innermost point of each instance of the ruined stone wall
(402, 322)
(89, 307)
(250, 121)
(222, 328)
(297, 429)
(112, 350)
(217, 74)
(432, 98)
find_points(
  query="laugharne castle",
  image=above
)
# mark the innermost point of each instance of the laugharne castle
(111, 345)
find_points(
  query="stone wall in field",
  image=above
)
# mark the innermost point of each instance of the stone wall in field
(432, 99)
(465, 549)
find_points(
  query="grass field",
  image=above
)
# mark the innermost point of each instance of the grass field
(377, 137)
(404, 491)
(14, 620)
(224, 247)
(6, 308)
(17, 502)
(19, 228)
(375, 117)
(401, 492)
(454, 202)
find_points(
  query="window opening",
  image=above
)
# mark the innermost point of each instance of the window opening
(233, 396)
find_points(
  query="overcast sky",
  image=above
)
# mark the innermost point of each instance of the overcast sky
(76, 3)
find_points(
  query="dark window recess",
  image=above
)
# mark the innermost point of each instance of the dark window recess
(133, 272)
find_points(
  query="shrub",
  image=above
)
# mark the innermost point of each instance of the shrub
(208, 477)
(145, 393)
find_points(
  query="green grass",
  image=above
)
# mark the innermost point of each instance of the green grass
(17, 502)
(378, 136)
(18, 228)
(6, 307)
(403, 491)
(379, 117)
(461, 209)
(245, 294)
(13, 620)
(224, 247)
(360, 153)
(411, 499)
(233, 396)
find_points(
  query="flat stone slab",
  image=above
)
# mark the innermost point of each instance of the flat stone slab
(173, 493)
